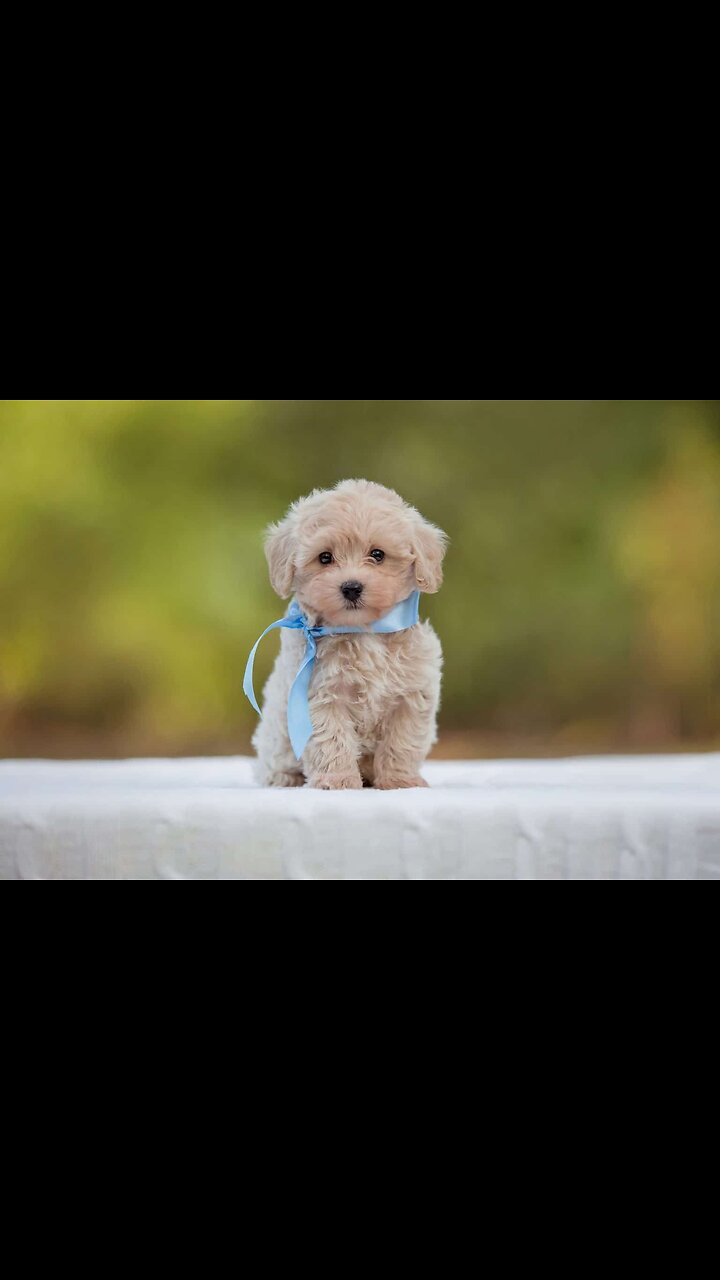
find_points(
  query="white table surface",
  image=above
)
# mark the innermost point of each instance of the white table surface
(606, 818)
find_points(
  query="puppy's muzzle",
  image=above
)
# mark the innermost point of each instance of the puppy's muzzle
(352, 591)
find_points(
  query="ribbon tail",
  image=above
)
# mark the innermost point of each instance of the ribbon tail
(300, 726)
(248, 689)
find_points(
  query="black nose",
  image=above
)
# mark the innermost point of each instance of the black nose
(352, 591)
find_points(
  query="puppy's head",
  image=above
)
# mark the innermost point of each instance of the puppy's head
(350, 553)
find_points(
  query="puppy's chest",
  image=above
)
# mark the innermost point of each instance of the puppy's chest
(364, 671)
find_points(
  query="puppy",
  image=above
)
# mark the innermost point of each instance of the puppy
(348, 555)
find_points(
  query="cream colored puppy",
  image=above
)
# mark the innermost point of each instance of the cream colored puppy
(348, 555)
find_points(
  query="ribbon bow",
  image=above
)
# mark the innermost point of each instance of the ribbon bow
(300, 726)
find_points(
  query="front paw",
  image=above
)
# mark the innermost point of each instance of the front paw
(350, 781)
(396, 784)
(289, 778)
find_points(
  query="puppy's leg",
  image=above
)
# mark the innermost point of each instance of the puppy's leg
(407, 734)
(331, 755)
(276, 764)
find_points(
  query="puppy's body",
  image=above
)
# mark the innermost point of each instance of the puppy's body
(373, 704)
(373, 698)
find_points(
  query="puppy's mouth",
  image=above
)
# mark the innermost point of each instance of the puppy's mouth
(355, 613)
(360, 614)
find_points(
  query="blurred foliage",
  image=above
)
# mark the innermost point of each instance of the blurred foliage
(582, 598)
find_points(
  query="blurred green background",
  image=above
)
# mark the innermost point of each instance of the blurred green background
(581, 609)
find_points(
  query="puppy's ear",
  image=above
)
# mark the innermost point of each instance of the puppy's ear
(279, 549)
(429, 546)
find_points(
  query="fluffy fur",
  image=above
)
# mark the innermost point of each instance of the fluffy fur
(373, 698)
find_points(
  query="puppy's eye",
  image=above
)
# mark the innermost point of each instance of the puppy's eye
(377, 556)
(325, 557)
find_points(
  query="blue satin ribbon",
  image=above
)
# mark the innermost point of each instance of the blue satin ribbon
(300, 726)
